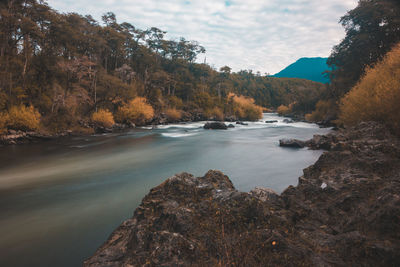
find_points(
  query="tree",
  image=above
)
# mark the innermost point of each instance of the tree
(372, 29)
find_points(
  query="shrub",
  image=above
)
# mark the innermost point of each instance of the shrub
(23, 118)
(324, 110)
(283, 110)
(376, 96)
(103, 118)
(137, 111)
(173, 114)
(245, 108)
(3, 122)
(214, 113)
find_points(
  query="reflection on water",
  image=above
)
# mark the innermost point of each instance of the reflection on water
(59, 200)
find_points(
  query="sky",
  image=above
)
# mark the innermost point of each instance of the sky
(261, 35)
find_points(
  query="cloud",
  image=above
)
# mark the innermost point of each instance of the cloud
(262, 35)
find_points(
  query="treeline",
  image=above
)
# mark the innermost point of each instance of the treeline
(364, 81)
(63, 68)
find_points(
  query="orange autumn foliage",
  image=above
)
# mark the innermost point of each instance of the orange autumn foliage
(376, 97)
(245, 108)
(173, 114)
(23, 118)
(283, 110)
(137, 111)
(103, 118)
(3, 122)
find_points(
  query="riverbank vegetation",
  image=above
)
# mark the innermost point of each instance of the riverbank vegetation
(377, 95)
(363, 80)
(71, 69)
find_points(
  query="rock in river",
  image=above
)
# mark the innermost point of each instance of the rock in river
(215, 125)
(291, 143)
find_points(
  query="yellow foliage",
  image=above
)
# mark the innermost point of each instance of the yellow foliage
(23, 118)
(214, 113)
(322, 111)
(283, 110)
(103, 118)
(376, 97)
(137, 111)
(3, 122)
(245, 108)
(173, 114)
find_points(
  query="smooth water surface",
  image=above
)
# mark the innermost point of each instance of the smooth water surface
(60, 200)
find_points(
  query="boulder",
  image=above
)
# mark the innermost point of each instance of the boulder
(295, 143)
(231, 125)
(216, 125)
(241, 123)
(288, 121)
(271, 121)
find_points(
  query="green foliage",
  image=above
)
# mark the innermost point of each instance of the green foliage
(377, 95)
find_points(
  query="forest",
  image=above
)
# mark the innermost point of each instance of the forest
(70, 72)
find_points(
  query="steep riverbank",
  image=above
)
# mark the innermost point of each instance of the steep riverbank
(345, 211)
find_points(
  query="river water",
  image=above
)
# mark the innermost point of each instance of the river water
(60, 199)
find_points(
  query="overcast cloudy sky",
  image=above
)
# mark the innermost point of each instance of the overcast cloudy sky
(262, 35)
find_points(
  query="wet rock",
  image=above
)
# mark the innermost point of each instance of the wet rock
(295, 143)
(288, 121)
(215, 125)
(271, 121)
(241, 123)
(100, 130)
(231, 125)
(230, 118)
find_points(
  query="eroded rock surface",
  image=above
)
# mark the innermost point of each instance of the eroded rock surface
(345, 211)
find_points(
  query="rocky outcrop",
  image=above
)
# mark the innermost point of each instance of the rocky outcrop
(216, 125)
(345, 211)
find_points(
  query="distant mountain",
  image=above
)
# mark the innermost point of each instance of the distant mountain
(306, 68)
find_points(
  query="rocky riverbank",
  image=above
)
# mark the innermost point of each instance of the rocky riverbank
(345, 211)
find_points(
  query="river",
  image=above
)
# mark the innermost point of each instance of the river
(60, 199)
